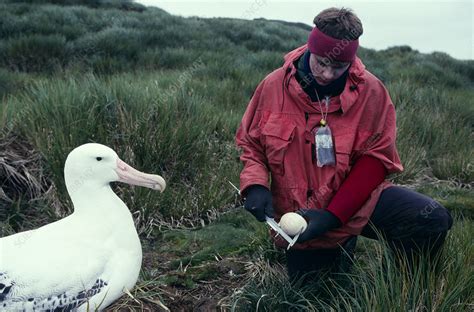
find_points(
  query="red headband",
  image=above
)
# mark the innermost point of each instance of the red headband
(342, 50)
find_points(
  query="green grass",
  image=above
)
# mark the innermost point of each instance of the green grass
(186, 138)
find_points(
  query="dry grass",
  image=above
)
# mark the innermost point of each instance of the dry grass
(21, 172)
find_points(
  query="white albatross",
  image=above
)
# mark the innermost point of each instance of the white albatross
(86, 260)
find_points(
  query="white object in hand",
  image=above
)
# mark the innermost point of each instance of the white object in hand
(293, 223)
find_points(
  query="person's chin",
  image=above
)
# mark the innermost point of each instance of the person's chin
(322, 82)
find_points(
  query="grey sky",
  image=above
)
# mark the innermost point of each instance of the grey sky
(424, 25)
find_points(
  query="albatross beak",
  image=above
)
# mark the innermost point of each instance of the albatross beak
(130, 175)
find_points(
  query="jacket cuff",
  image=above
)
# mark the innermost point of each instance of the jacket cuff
(245, 184)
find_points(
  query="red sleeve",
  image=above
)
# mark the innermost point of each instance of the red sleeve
(252, 155)
(366, 174)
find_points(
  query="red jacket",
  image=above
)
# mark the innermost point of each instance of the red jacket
(276, 135)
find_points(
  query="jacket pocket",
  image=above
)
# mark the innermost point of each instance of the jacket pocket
(277, 134)
(343, 148)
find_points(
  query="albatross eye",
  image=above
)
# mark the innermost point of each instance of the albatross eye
(98, 158)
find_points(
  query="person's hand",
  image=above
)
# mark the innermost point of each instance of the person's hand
(258, 201)
(319, 222)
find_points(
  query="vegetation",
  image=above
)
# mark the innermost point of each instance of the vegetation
(167, 93)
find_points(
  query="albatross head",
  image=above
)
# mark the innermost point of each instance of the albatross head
(96, 165)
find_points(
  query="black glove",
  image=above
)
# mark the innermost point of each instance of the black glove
(258, 201)
(319, 222)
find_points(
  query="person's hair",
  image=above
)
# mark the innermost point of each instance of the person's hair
(339, 23)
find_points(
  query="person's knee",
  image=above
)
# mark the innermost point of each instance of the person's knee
(446, 219)
(435, 218)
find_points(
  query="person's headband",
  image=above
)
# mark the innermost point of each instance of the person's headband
(341, 50)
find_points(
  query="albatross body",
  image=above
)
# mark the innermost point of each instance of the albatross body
(86, 260)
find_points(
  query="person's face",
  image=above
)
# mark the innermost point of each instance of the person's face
(326, 71)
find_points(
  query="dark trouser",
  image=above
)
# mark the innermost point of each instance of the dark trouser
(410, 222)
